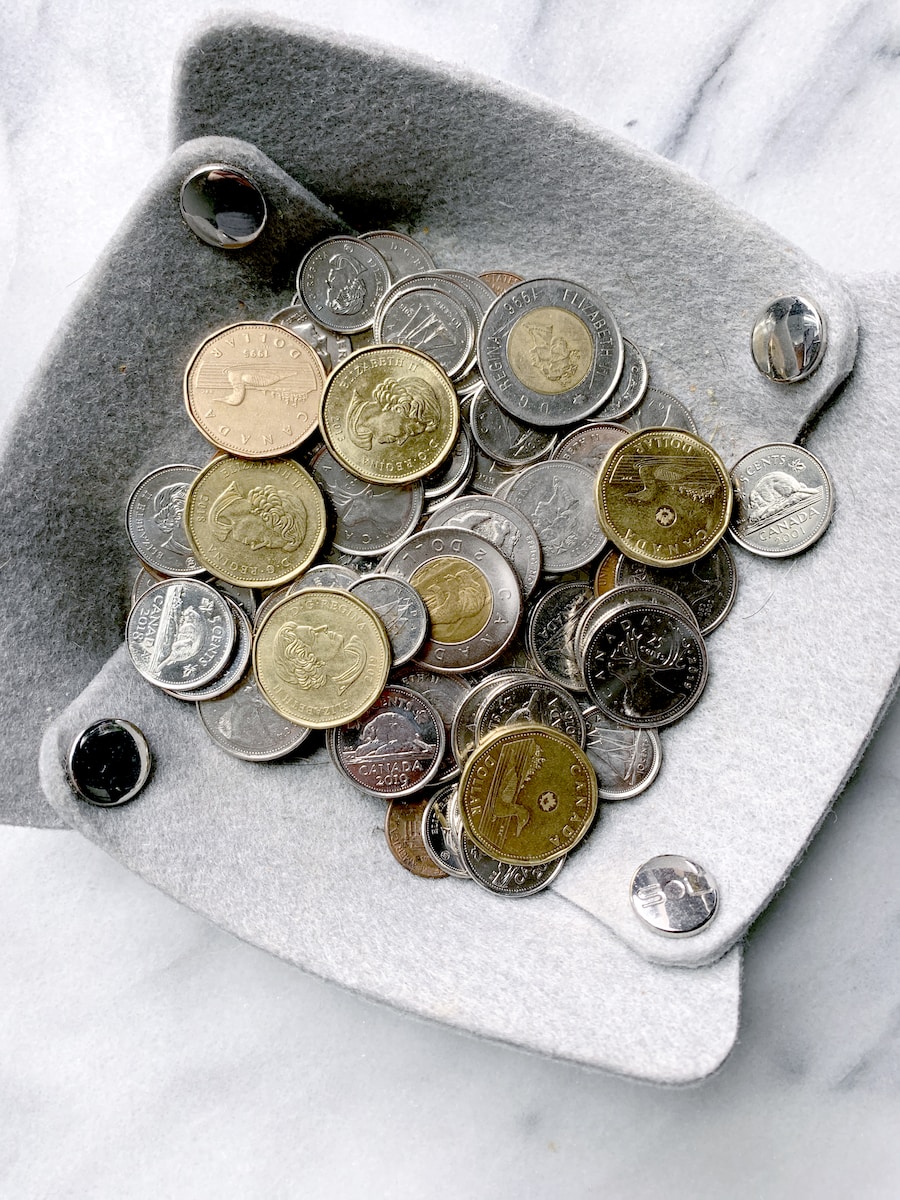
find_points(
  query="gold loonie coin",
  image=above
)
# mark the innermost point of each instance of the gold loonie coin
(527, 794)
(321, 657)
(403, 831)
(254, 389)
(389, 414)
(256, 524)
(663, 497)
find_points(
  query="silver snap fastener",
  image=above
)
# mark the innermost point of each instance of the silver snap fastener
(788, 339)
(109, 762)
(223, 206)
(673, 895)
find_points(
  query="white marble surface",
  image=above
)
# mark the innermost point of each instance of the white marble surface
(146, 1053)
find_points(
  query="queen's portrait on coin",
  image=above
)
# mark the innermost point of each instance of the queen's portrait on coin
(308, 656)
(267, 517)
(396, 411)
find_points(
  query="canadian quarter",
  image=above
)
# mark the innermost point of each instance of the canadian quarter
(244, 725)
(341, 280)
(558, 499)
(505, 438)
(369, 518)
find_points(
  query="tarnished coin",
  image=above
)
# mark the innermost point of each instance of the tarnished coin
(447, 693)
(500, 281)
(236, 666)
(327, 575)
(497, 522)
(708, 585)
(660, 409)
(426, 319)
(369, 518)
(390, 414)
(631, 386)
(223, 206)
(558, 500)
(783, 500)
(403, 832)
(394, 749)
(403, 254)
(530, 700)
(245, 725)
(550, 352)
(589, 444)
(674, 896)
(552, 624)
(341, 280)
(664, 497)
(321, 657)
(605, 575)
(180, 634)
(254, 389)
(256, 524)
(401, 609)
(455, 471)
(154, 521)
(332, 348)
(441, 845)
(626, 760)
(462, 733)
(788, 339)
(527, 794)
(109, 762)
(472, 594)
(504, 438)
(507, 879)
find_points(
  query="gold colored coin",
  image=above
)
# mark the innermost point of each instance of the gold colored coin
(550, 350)
(389, 414)
(256, 524)
(321, 657)
(458, 598)
(527, 794)
(605, 575)
(255, 389)
(403, 830)
(663, 497)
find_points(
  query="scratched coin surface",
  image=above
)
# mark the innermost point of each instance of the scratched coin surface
(674, 896)
(255, 524)
(708, 585)
(527, 794)
(403, 833)
(321, 657)
(664, 497)
(245, 725)
(394, 749)
(390, 414)
(783, 500)
(506, 879)
(552, 626)
(499, 523)
(626, 760)
(180, 634)
(438, 836)
(154, 520)
(631, 386)
(369, 518)
(401, 609)
(254, 389)
(529, 700)
(558, 499)
(341, 280)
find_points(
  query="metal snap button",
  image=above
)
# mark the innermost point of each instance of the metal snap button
(223, 206)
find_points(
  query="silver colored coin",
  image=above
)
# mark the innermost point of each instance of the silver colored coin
(246, 726)
(369, 518)
(503, 879)
(472, 594)
(505, 439)
(269, 601)
(674, 896)
(531, 699)
(394, 749)
(441, 845)
(455, 471)
(589, 444)
(108, 762)
(180, 634)
(558, 499)
(660, 409)
(154, 520)
(341, 281)
(447, 693)
(428, 320)
(403, 254)
(401, 609)
(142, 581)
(330, 575)
(550, 634)
(247, 599)
(708, 585)
(481, 295)
(467, 389)
(788, 339)
(550, 352)
(332, 348)
(357, 562)
(234, 671)
(783, 500)
(626, 760)
(499, 523)
(223, 206)
(622, 597)
(440, 282)
(462, 733)
(631, 386)
(488, 475)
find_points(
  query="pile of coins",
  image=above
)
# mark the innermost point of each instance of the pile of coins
(449, 522)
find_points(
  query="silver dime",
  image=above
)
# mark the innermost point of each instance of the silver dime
(558, 499)
(441, 844)
(154, 519)
(660, 409)
(341, 280)
(783, 500)
(330, 575)
(428, 320)
(394, 749)
(245, 725)
(369, 518)
(631, 386)
(332, 348)
(488, 475)
(550, 352)
(447, 693)
(528, 700)
(788, 339)
(589, 444)
(497, 522)
(504, 438)
(708, 585)
(180, 634)
(550, 635)
(626, 760)
(401, 609)
(504, 879)
(438, 282)
(454, 472)
(673, 895)
(233, 672)
(462, 733)
(403, 254)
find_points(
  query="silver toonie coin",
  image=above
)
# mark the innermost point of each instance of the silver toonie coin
(631, 386)
(440, 841)
(472, 594)
(504, 438)
(332, 348)
(237, 665)
(552, 627)
(708, 585)
(428, 320)
(447, 693)
(673, 895)
(626, 760)
(180, 634)
(403, 254)
(550, 352)
(527, 700)
(783, 500)
(154, 519)
(504, 879)
(558, 499)
(497, 522)
(341, 280)
(401, 609)
(394, 749)
(245, 725)
(660, 409)
(369, 518)
(589, 444)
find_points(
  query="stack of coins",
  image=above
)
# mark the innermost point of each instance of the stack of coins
(449, 522)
